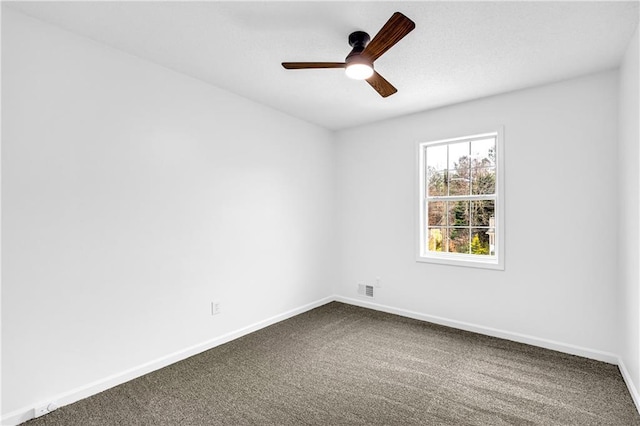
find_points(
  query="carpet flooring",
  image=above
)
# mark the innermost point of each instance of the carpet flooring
(344, 365)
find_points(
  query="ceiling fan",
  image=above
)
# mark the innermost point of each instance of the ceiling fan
(359, 62)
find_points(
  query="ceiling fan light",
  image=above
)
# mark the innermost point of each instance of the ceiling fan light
(359, 71)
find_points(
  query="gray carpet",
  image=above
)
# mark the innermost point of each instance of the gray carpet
(340, 364)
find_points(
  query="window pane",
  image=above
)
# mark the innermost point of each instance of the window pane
(437, 184)
(436, 239)
(459, 240)
(480, 241)
(459, 181)
(482, 211)
(436, 211)
(483, 153)
(458, 212)
(458, 152)
(437, 157)
(484, 180)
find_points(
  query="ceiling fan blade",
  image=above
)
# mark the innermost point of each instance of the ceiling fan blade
(392, 32)
(382, 86)
(311, 65)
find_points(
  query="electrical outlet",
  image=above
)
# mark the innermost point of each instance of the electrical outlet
(44, 409)
(215, 307)
(378, 283)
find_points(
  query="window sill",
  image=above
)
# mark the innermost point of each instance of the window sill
(491, 263)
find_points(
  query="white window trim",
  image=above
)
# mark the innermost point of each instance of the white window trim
(457, 259)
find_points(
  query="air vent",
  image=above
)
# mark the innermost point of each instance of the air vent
(365, 290)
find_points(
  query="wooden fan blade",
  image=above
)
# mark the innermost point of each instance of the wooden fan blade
(382, 86)
(392, 32)
(311, 65)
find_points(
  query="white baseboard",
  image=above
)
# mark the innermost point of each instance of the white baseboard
(26, 413)
(629, 382)
(489, 331)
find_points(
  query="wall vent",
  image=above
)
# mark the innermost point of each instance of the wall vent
(365, 290)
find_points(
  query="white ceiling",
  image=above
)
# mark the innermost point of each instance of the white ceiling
(458, 51)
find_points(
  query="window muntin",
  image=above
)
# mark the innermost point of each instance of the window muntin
(459, 201)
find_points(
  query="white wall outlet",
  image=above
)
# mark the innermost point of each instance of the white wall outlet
(215, 307)
(378, 282)
(41, 410)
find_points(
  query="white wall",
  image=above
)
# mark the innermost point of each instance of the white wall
(132, 197)
(559, 282)
(629, 214)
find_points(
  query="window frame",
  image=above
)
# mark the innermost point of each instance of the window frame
(461, 259)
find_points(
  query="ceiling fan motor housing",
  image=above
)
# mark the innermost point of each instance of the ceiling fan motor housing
(358, 40)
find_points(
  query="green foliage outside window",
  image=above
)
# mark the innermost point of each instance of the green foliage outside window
(461, 226)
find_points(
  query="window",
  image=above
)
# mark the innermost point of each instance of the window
(461, 201)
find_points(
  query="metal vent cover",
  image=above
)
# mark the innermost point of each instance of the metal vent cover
(365, 290)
